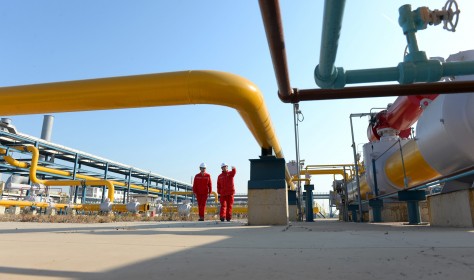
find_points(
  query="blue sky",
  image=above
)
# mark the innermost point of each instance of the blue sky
(50, 41)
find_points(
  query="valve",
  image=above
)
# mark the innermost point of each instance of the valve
(449, 24)
(447, 15)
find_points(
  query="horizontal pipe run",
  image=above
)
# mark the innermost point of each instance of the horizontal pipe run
(380, 91)
(163, 89)
(372, 75)
(24, 203)
(270, 10)
(458, 68)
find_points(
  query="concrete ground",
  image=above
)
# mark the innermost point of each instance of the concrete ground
(325, 249)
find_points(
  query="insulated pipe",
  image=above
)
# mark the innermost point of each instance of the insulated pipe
(415, 166)
(270, 10)
(380, 91)
(164, 89)
(326, 73)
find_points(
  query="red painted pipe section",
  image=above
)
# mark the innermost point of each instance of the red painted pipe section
(400, 116)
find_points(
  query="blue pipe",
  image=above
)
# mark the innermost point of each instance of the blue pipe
(325, 73)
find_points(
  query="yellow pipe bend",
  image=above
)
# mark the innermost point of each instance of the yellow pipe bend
(164, 89)
(33, 167)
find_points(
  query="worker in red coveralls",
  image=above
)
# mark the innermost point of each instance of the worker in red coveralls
(202, 188)
(226, 190)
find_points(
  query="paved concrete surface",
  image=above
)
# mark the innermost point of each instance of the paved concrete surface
(211, 250)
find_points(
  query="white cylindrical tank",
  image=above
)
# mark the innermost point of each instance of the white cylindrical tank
(445, 131)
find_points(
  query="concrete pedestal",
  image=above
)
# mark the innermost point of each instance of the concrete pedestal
(267, 194)
(398, 212)
(454, 209)
(267, 207)
(2, 210)
(292, 206)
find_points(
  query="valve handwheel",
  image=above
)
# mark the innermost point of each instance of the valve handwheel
(452, 19)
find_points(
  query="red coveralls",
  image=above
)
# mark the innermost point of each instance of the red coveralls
(226, 190)
(202, 188)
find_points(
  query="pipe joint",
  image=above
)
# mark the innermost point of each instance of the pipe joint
(337, 79)
(428, 71)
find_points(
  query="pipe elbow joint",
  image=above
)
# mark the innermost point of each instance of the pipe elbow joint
(337, 79)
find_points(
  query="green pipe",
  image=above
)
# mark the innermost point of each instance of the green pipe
(325, 73)
(458, 68)
(405, 73)
(371, 75)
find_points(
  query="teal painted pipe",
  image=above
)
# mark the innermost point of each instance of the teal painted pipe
(372, 75)
(405, 73)
(458, 68)
(326, 73)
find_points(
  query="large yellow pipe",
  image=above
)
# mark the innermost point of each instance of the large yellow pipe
(165, 89)
(416, 168)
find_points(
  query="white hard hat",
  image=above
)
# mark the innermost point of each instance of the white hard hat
(203, 165)
(223, 164)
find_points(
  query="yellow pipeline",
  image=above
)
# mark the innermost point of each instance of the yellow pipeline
(97, 181)
(67, 173)
(115, 207)
(23, 203)
(34, 167)
(416, 168)
(164, 89)
(295, 179)
(191, 193)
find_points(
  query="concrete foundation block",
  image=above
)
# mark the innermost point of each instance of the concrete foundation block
(293, 213)
(267, 207)
(2, 210)
(454, 209)
(398, 212)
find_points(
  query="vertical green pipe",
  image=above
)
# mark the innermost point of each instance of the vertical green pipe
(332, 23)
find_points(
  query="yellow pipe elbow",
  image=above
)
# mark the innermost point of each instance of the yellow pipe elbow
(165, 89)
